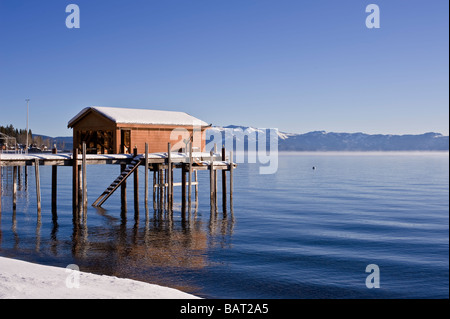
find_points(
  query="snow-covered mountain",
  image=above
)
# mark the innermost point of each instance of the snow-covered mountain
(330, 141)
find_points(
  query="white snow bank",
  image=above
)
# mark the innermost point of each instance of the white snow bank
(24, 280)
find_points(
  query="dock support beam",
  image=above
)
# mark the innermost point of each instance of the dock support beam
(54, 188)
(169, 179)
(224, 184)
(154, 188)
(136, 186)
(38, 186)
(196, 187)
(161, 187)
(231, 180)
(146, 177)
(183, 189)
(190, 177)
(212, 182)
(123, 192)
(84, 181)
(75, 184)
(14, 187)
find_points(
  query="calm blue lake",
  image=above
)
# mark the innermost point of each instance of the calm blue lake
(299, 233)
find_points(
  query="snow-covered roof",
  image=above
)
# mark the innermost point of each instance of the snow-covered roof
(140, 116)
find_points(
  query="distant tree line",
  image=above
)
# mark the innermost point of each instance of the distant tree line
(21, 136)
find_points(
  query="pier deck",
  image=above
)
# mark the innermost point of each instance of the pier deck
(66, 159)
(161, 164)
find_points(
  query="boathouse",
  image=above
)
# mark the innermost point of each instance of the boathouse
(112, 130)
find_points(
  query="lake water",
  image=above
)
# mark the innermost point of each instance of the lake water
(299, 233)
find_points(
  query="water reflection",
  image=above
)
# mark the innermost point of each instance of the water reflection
(156, 248)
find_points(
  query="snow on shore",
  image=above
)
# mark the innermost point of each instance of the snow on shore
(24, 280)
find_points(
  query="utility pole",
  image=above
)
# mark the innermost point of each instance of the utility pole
(26, 146)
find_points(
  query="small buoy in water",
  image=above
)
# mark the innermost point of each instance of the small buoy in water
(314, 167)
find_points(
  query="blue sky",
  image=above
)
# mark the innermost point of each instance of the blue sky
(294, 65)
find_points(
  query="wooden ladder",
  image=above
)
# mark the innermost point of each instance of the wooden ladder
(130, 168)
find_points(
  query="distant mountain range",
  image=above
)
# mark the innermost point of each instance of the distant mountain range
(63, 143)
(317, 140)
(330, 141)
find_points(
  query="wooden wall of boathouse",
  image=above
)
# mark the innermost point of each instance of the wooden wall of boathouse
(104, 136)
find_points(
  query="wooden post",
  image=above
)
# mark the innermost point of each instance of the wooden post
(196, 185)
(164, 187)
(169, 178)
(54, 188)
(80, 187)
(171, 185)
(38, 186)
(190, 176)
(14, 187)
(84, 188)
(136, 185)
(211, 181)
(224, 184)
(146, 176)
(123, 191)
(160, 187)
(75, 183)
(215, 180)
(231, 180)
(154, 186)
(183, 188)
(19, 177)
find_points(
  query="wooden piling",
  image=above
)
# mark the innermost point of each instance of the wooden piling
(169, 178)
(231, 179)
(54, 187)
(196, 186)
(38, 186)
(14, 187)
(190, 176)
(75, 183)
(215, 181)
(146, 176)
(224, 184)
(211, 181)
(123, 191)
(19, 178)
(154, 187)
(160, 186)
(171, 186)
(136, 185)
(164, 188)
(84, 181)
(80, 188)
(183, 188)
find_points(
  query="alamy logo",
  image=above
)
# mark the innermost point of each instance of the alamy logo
(251, 145)
(73, 19)
(73, 279)
(373, 19)
(258, 145)
(373, 279)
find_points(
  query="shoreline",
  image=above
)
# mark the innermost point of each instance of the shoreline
(24, 280)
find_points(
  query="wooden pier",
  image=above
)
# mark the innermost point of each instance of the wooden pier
(163, 166)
